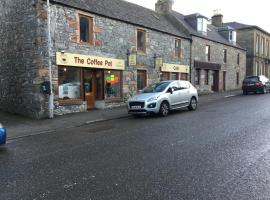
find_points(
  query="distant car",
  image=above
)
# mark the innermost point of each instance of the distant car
(256, 84)
(162, 97)
(3, 135)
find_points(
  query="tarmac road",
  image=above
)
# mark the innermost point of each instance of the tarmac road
(220, 151)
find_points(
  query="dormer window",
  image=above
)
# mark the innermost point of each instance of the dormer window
(201, 24)
(232, 36)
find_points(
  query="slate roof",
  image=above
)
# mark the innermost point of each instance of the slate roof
(126, 12)
(212, 31)
(237, 25)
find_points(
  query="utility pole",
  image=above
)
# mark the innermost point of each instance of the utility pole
(49, 59)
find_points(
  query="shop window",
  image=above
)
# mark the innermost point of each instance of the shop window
(165, 76)
(141, 79)
(184, 76)
(112, 84)
(178, 48)
(141, 40)
(86, 29)
(174, 76)
(69, 83)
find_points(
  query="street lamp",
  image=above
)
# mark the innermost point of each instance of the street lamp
(49, 59)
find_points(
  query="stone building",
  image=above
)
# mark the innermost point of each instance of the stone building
(102, 53)
(256, 41)
(218, 61)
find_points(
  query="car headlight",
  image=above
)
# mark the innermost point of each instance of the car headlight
(152, 99)
(1, 126)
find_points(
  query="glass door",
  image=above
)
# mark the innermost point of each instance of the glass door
(89, 80)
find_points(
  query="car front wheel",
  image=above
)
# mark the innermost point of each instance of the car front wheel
(193, 104)
(164, 109)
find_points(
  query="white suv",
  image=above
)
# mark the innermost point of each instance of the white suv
(163, 97)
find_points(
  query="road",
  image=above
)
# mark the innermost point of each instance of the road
(220, 151)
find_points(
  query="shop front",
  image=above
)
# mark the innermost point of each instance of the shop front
(88, 79)
(174, 72)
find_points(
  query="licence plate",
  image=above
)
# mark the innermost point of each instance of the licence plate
(250, 84)
(136, 107)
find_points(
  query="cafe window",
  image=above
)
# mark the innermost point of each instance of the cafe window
(174, 76)
(112, 79)
(86, 29)
(69, 83)
(165, 76)
(141, 40)
(178, 48)
(141, 79)
(184, 76)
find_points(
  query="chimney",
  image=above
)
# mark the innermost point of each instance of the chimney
(164, 6)
(217, 20)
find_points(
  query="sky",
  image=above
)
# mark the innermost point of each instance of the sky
(243, 11)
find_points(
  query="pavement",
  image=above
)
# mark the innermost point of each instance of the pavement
(19, 126)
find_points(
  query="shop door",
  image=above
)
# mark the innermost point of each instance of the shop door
(89, 88)
(215, 85)
(224, 81)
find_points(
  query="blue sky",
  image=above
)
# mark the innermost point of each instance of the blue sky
(247, 12)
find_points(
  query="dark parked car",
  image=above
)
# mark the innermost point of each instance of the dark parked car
(3, 135)
(256, 84)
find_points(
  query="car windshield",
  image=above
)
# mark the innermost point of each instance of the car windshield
(158, 87)
(251, 79)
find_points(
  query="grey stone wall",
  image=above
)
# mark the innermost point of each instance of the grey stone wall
(24, 56)
(21, 58)
(113, 39)
(216, 56)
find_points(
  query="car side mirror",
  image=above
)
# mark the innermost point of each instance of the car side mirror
(170, 90)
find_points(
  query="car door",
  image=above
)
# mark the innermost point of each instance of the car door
(184, 94)
(174, 97)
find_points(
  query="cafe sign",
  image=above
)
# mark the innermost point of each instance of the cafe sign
(78, 60)
(175, 68)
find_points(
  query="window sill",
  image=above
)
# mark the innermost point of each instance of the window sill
(69, 102)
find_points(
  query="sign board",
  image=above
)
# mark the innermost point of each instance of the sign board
(78, 60)
(175, 68)
(158, 62)
(132, 59)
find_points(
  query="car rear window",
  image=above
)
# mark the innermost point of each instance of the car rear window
(251, 79)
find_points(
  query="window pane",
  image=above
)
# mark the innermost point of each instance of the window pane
(69, 83)
(178, 48)
(174, 76)
(165, 76)
(112, 84)
(141, 40)
(84, 29)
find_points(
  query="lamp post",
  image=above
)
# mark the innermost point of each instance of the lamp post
(49, 59)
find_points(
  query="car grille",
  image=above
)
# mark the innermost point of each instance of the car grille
(136, 103)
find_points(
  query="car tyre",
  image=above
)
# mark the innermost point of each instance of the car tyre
(164, 109)
(193, 104)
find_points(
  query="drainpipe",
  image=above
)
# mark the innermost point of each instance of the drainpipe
(190, 62)
(49, 59)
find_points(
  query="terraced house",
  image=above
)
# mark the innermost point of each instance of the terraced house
(218, 61)
(256, 41)
(102, 52)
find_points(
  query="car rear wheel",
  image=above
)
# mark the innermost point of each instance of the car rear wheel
(193, 104)
(164, 109)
